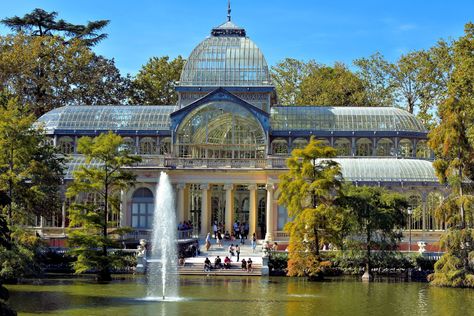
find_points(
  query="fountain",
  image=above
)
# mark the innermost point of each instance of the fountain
(162, 275)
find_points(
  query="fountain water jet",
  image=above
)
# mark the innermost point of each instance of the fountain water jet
(162, 276)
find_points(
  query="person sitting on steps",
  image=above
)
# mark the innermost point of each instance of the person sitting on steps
(207, 265)
(244, 265)
(218, 263)
(227, 262)
(249, 265)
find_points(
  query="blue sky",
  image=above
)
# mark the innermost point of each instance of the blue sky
(327, 31)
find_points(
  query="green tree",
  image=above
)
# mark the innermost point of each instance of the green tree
(453, 143)
(378, 215)
(103, 177)
(334, 86)
(155, 82)
(373, 71)
(45, 73)
(309, 190)
(42, 23)
(287, 76)
(31, 170)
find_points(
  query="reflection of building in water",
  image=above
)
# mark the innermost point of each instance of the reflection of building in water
(225, 142)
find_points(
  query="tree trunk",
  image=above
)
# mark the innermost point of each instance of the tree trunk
(316, 241)
(104, 273)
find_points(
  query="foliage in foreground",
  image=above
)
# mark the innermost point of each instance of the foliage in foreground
(96, 188)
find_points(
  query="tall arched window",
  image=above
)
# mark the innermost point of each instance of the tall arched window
(129, 144)
(280, 147)
(147, 146)
(363, 147)
(405, 148)
(343, 147)
(385, 147)
(165, 146)
(422, 150)
(261, 229)
(142, 208)
(66, 145)
(299, 143)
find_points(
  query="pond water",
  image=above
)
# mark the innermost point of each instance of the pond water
(240, 296)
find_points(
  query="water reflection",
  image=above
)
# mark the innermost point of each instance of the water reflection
(242, 296)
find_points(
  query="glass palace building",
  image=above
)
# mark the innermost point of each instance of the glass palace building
(225, 142)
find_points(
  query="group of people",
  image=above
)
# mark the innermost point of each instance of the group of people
(186, 225)
(246, 264)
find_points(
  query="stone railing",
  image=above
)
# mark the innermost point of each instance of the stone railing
(191, 163)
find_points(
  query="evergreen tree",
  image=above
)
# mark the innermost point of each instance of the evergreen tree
(103, 177)
(309, 190)
(42, 23)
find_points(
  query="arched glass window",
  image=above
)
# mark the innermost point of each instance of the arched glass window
(66, 145)
(147, 146)
(280, 147)
(343, 147)
(363, 147)
(261, 230)
(415, 203)
(422, 150)
(142, 208)
(165, 146)
(129, 144)
(223, 128)
(405, 147)
(299, 143)
(385, 147)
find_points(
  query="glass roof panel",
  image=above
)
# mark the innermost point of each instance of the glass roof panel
(108, 117)
(318, 118)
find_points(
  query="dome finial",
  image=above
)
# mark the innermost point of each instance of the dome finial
(228, 10)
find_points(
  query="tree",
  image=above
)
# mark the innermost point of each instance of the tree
(453, 143)
(373, 71)
(155, 82)
(42, 23)
(45, 73)
(31, 170)
(287, 76)
(103, 178)
(308, 190)
(377, 215)
(334, 86)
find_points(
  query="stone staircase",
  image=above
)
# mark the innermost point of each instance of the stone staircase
(195, 266)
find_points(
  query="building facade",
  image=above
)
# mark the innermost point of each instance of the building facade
(225, 142)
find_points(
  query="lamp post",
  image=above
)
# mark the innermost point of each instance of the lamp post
(410, 212)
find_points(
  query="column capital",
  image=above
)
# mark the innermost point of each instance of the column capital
(228, 186)
(270, 186)
(252, 187)
(205, 186)
(181, 186)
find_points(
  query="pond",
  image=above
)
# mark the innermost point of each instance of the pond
(240, 296)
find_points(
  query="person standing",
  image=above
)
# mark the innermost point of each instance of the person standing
(214, 229)
(208, 241)
(219, 239)
(237, 251)
(254, 242)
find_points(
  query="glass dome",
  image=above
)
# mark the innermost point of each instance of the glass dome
(226, 58)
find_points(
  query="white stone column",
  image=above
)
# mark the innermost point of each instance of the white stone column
(63, 215)
(180, 205)
(123, 208)
(252, 209)
(229, 207)
(269, 211)
(205, 209)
